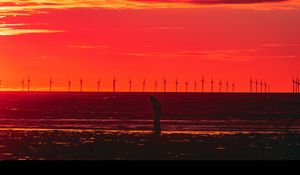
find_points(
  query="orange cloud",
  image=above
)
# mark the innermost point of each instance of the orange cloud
(21, 7)
(220, 55)
(13, 29)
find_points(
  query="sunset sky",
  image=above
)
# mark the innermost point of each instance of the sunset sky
(67, 40)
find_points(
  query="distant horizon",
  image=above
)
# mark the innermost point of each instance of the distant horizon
(123, 86)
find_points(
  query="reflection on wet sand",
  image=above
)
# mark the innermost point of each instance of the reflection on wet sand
(71, 144)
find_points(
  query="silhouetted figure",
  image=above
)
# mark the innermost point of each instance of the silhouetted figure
(157, 111)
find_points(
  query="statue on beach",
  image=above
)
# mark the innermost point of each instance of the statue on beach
(157, 111)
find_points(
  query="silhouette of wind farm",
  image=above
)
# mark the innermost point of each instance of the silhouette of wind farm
(256, 85)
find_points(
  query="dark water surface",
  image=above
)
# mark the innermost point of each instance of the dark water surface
(118, 126)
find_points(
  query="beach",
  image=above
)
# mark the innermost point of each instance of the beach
(107, 126)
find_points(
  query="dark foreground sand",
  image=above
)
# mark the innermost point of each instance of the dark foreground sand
(24, 144)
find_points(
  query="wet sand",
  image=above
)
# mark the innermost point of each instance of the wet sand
(44, 144)
(116, 126)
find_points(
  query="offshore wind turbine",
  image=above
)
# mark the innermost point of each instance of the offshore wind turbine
(28, 84)
(155, 86)
(130, 84)
(23, 84)
(212, 85)
(233, 86)
(202, 84)
(195, 86)
(50, 84)
(265, 87)
(251, 81)
(297, 85)
(81, 84)
(165, 84)
(261, 86)
(69, 85)
(98, 84)
(220, 86)
(114, 84)
(144, 85)
(256, 85)
(186, 86)
(227, 86)
(176, 85)
(294, 82)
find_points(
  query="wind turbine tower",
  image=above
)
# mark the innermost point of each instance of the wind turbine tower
(265, 87)
(165, 84)
(256, 85)
(261, 86)
(186, 86)
(155, 86)
(50, 84)
(69, 84)
(114, 84)
(212, 85)
(227, 86)
(195, 86)
(130, 84)
(250, 84)
(220, 86)
(297, 85)
(81, 84)
(176, 85)
(28, 84)
(202, 84)
(23, 84)
(98, 85)
(144, 85)
(233, 86)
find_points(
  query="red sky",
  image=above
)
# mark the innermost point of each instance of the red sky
(185, 39)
